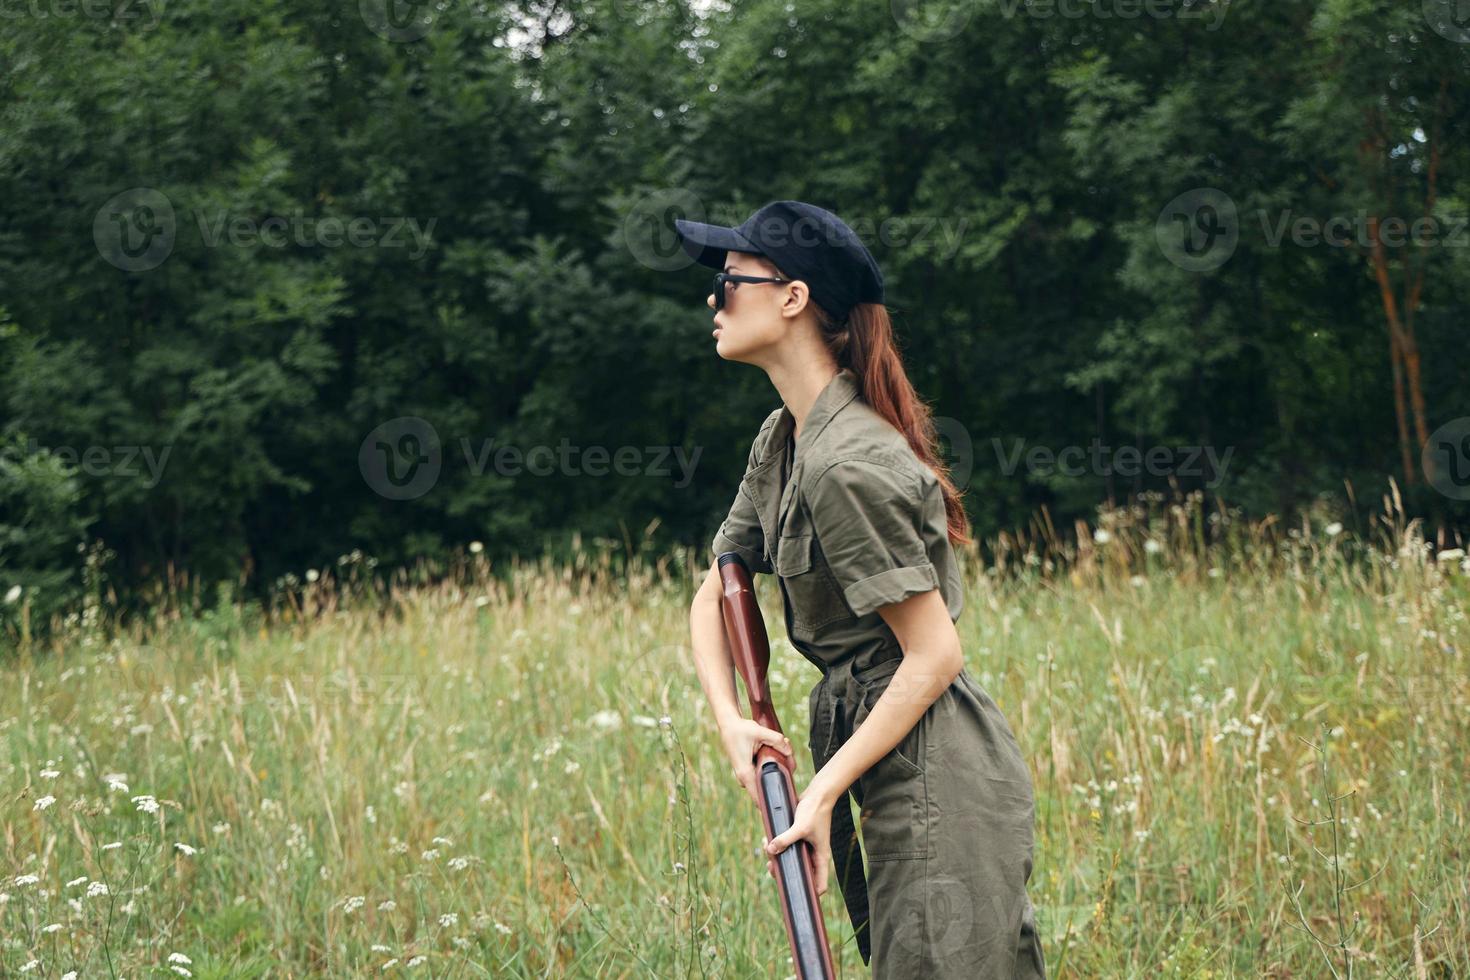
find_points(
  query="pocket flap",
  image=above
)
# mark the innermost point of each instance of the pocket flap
(794, 554)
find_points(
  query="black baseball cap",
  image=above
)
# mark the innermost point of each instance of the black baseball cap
(802, 240)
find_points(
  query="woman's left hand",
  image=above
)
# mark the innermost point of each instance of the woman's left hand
(812, 822)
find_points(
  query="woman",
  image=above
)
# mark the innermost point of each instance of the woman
(846, 501)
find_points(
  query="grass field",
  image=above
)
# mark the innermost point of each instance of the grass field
(512, 772)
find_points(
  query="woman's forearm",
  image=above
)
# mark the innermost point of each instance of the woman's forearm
(712, 660)
(920, 679)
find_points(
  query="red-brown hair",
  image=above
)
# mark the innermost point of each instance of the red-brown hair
(865, 343)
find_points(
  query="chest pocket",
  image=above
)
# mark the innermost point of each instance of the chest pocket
(815, 598)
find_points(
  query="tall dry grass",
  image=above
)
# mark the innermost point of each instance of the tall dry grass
(1248, 755)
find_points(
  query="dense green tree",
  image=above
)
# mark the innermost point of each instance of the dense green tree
(254, 247)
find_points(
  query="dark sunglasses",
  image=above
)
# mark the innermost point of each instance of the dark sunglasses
(723, 277)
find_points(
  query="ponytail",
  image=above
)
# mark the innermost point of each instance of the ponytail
(864, 342)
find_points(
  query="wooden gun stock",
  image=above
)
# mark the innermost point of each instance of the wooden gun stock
(795, 870)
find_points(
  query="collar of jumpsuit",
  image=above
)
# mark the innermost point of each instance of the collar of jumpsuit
(768, 483)
(879, 507)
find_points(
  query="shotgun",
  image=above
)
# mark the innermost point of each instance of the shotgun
(795, 870)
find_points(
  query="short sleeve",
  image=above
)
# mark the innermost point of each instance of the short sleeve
(741, 532)
(867, 516)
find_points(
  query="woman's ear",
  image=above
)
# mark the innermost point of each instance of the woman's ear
(796, 299)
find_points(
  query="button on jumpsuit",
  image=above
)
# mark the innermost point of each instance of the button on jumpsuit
(849, 519)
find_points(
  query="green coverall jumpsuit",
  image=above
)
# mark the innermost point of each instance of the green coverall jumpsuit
(853, 522)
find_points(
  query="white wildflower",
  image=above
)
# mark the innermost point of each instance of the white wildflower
(12, 595)
(352, 904)
(186, 849)
(113, 846)
(312, 575)
(1152, 546)
(645, 721)
(448, 919)
(77, 881)
(443, 840)
(43, 802)
(96, 888)
(665, 721)
(146, 804)
(1453, 554)
(1333, 529)
(50, 773)
(23, 880)
(476, 547)
(387, 906)
(32, 965)
(182, 971)
(606, 720)
(416, 961)
(390, 964)
(430, 855)
(459, 863)
(503, 929)
(179, 958)
(53, 927)
(1101, 536)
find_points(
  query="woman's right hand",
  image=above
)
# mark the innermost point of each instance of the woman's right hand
(742, 737)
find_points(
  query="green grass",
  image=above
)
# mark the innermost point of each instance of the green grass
(471, 775)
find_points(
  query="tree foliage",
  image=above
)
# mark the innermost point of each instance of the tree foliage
(512, 170)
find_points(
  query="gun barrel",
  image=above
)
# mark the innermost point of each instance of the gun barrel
(795, 868)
